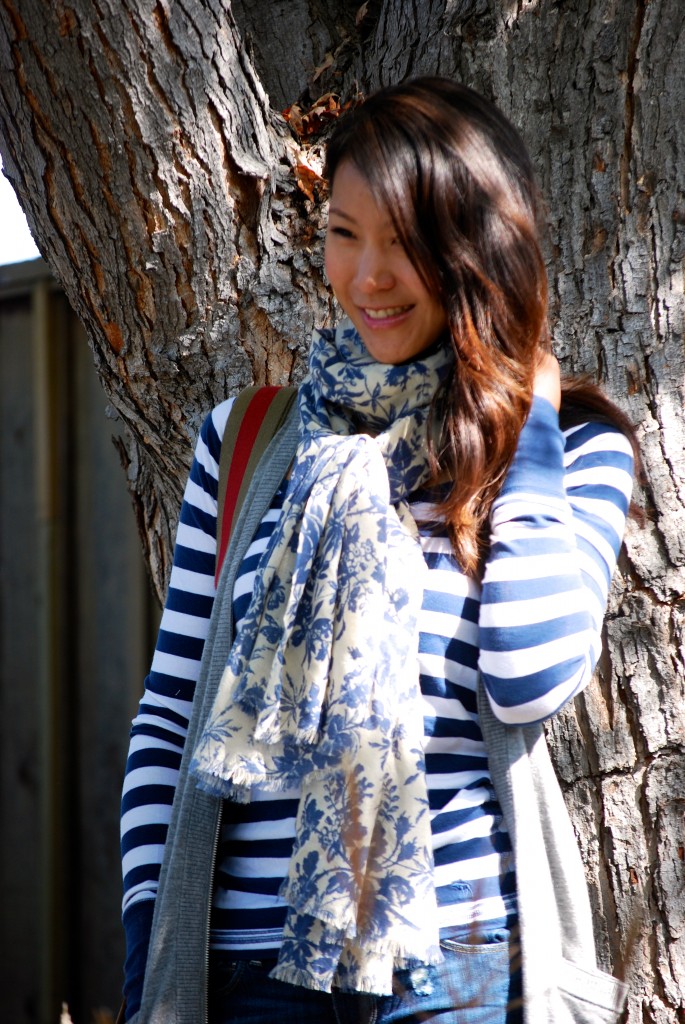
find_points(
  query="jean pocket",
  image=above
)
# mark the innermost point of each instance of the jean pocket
(484, 972)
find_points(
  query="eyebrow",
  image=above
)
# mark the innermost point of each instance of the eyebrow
(340, 213)
(353, 220)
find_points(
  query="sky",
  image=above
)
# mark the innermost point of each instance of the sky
(16, 243)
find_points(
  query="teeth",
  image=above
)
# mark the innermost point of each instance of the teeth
(382, 314)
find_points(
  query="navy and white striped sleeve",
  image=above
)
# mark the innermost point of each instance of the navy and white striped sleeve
(159, 729)
(556, 530)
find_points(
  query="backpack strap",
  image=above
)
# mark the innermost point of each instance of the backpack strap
(256, 415)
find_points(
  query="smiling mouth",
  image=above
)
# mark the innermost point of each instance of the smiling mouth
(385, 314)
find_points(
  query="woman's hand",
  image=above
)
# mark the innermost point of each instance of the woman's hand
(547, 381)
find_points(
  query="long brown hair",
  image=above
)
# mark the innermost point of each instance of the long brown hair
(459, 185)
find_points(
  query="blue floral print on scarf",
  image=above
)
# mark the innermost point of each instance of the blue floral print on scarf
(321, 686)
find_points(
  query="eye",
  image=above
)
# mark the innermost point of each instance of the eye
(340, 231)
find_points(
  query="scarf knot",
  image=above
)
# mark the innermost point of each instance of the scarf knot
(321, 686)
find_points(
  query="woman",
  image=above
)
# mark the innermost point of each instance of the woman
(435, 525)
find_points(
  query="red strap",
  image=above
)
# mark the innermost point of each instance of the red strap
(244, 443)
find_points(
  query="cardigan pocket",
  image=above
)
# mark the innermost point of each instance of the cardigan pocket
(589, 996)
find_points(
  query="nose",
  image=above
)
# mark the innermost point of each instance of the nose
(373, 272)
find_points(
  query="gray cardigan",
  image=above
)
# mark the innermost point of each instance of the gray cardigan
(561, 981)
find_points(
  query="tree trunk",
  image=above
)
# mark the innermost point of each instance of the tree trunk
(168, 195)
(160, 187)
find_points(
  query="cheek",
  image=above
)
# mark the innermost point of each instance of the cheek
(439, 314)
(416, 284)
(433, 307)
(334, 266)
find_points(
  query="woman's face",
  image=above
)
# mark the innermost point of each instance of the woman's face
(373, 279)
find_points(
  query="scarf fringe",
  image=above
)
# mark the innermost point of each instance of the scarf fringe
(238, 787)
(426, 950)
(297, 976)
(366, 985)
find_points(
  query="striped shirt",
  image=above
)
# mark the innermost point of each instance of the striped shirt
(531, 627)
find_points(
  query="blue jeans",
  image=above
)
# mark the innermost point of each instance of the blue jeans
(477, 983)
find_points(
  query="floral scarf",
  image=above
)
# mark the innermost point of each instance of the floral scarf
(321, 685)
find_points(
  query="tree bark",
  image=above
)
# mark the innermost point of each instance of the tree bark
(162, 185)
(159, 185)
